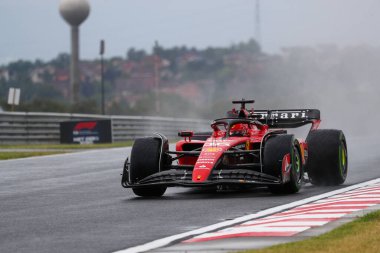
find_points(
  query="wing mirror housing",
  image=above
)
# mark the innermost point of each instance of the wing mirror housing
(186, 134)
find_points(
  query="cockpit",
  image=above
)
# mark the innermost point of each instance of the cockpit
(234, 127)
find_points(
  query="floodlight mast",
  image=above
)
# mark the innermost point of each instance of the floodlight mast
(74, 12)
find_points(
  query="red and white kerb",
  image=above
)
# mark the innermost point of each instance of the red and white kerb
(301, 218)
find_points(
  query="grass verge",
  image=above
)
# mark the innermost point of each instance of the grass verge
(67, 146)
(28, 150)
(361, 235)
(14, 155)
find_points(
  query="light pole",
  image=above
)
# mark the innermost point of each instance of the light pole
(74, 12)
(257, 25)
(157, 61)
(102, 72)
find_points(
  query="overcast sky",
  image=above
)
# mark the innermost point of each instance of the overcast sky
(32, 29)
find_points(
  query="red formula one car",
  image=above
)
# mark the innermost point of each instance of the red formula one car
(246, 148)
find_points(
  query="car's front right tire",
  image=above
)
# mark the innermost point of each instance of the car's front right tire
(276, 147)
(150, 191)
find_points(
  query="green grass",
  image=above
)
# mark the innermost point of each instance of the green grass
(28, 150)
(361, 235)
(15, 155)
(66, 146)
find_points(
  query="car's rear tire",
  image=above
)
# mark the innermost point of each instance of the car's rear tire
(145, 161)
(327, 157)
(276, 148)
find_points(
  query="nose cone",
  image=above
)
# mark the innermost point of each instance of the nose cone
(74, 11)
(201, 174)
(207, 159)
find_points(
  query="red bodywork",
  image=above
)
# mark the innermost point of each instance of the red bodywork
(216, 145)
(234, 153)
(213, 148)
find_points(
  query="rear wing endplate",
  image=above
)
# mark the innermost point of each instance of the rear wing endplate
(287, 118)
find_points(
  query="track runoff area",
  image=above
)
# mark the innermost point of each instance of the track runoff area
(281, 221)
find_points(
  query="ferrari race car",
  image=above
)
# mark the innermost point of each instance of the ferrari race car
(246, 148)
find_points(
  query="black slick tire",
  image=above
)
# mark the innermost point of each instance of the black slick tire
(276, 147)
(145, 161)
(149, 191)
(327, 162)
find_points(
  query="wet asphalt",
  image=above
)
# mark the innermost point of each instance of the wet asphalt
(75, 203)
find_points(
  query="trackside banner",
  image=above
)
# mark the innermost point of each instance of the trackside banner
(86, 132)
(286, 118)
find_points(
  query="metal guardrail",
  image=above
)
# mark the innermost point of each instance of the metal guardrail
(32, 127)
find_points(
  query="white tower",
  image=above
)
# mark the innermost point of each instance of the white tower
(74, 12)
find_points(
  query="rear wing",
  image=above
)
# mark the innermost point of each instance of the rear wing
(287, 118)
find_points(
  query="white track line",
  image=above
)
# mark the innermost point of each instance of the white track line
(168, 240)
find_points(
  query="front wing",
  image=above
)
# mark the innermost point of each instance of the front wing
(177, 175)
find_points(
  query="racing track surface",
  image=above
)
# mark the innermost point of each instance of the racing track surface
(74, 202)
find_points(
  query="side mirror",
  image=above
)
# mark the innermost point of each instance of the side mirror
(186, 134)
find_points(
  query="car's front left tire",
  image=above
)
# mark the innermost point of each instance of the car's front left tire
(145, 161)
